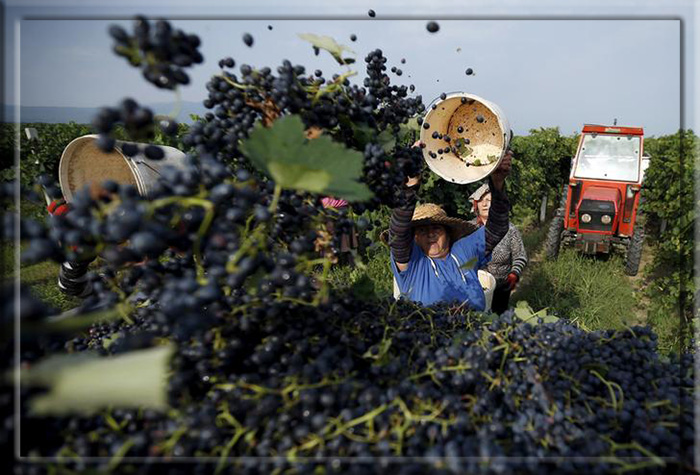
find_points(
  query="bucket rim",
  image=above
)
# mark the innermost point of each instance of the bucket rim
(64, 161)
(503, 125)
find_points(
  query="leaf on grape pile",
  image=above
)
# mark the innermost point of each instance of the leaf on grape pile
(525, 313)
(329, 44)
(362, 133)
(470, 264)
(409, 132)
(318, 166)
(86, 383)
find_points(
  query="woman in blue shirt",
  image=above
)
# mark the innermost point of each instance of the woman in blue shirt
(433, 259)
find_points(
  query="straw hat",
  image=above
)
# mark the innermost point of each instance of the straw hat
(429, 213)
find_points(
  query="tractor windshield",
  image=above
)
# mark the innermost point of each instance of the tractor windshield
(609, 157)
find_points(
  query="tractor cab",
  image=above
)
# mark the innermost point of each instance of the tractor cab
(602, 196)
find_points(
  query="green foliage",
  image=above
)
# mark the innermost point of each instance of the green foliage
(36, 156)
(319, 166)
(525, 313)
(370, 279)
(668, 194)
(42, 156)
(540, 166)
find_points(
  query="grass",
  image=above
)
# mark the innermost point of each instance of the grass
(593, 293)
(41, 279)
(370, 278)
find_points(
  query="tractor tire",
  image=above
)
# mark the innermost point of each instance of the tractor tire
(554, 235)
(556, 227)
(634, 251)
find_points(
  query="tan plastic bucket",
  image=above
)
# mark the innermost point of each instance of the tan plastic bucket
(488, 138)
(83, 163)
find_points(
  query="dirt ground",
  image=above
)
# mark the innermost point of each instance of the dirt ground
(638, 284)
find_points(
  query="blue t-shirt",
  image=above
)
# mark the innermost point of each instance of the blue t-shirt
(443, 282)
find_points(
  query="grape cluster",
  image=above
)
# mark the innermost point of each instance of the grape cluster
(334, 105)
(386, 174)
(160, 51)
(138, 122)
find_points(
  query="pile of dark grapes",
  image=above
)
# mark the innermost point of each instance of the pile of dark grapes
(274, 370)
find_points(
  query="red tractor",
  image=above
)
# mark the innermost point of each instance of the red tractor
(598, 212)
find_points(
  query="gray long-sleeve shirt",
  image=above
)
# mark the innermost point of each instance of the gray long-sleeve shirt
(508, 256)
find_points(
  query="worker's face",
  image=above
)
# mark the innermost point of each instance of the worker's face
(433, 240)
(483, 206)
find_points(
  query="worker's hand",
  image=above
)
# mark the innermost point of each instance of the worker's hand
(512, 280)
(412, 181)
(499, 174)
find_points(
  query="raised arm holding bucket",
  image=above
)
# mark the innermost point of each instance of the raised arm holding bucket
(434, 258)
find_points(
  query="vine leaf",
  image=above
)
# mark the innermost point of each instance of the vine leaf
(329, 44)
(318, 166)
(387, 140)
(525, 313)
(86, 383)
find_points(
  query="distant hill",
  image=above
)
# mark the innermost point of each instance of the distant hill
(83, 115)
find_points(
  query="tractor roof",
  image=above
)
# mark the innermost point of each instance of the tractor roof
(612, 129)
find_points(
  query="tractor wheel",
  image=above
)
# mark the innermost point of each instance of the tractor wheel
(554, 236)
(556, 227)
(634, 251)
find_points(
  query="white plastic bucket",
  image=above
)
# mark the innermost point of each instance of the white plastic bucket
(488, 284)
(83, 163)
(487, 138)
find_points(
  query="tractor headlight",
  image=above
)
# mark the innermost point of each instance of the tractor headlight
(605, 219)
(586, 218)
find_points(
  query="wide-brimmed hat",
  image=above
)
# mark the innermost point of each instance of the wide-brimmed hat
(429, 213)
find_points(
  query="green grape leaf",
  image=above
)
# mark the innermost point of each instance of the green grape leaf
(387, 140)
(86, 383)
(329, 44)
(409, 132)
(362, 133)
(318, 166)
(470, 264)
(525, 313)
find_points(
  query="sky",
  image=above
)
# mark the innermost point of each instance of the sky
(544, 63)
